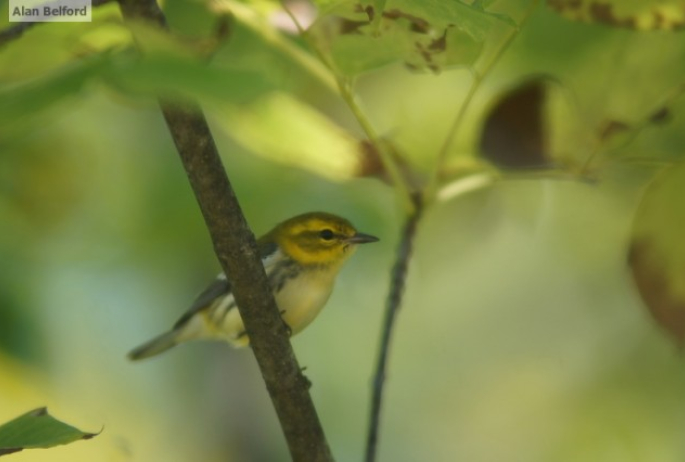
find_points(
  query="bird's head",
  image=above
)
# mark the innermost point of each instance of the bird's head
(318, 238)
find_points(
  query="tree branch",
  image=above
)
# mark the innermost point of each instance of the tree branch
(15, 31)
(397, 283)
(236, 249)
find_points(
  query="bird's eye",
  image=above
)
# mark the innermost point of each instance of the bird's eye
(326, 234)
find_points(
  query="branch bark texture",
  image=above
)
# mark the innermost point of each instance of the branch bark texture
(394, 301)
(236, 249)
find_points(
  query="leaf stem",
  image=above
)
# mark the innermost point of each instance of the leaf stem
(345, 90)
(478, 77)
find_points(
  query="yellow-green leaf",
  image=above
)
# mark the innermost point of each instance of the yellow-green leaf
(285, 130)
(428, 35)
(633, 14)
(657, 250)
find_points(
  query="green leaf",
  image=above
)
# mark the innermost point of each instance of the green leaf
(429, 35)
(24, 100)
(482, 5)
(37, 429)
(657, 250)
(176, 76)
(633, 14)
(150, 75)
(285, 130)
(440, 14)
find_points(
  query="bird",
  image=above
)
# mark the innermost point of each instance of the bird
(302, 257)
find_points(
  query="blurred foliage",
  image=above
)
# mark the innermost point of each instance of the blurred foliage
(657, 253)
(429, 35)
(297, 135)
(514, 134)
(634, 14)
(521, 323)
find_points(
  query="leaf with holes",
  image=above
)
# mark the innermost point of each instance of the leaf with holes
(429, 35)
(657, 250)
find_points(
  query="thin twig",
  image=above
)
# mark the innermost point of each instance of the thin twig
(478, 77)
(635, 131)
(346, 92)
(236, 249)
(16, 30)
(397, 283)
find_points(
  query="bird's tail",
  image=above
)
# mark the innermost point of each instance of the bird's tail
(155, 346)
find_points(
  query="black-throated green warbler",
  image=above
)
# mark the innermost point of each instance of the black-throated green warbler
(302, 257)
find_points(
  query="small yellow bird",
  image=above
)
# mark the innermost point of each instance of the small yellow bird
(301, 256)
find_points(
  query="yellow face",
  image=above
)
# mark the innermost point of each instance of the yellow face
(319, 238)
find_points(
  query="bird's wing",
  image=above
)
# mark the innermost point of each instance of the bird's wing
(221, 287)
(270, 255)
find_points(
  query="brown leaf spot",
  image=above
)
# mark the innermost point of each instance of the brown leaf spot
(371, 164)
(605, 13)
(659, 20)
(429, 50)
(223, 27)
(562, 5)
(439, 44)
(653, 286)
(661, 116)
(350, 26)
(425, 54)
(651, 16)
(370, 12)
(612, 127)
(416, 24)
(514, 135)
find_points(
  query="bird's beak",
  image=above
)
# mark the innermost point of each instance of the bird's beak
(361, 238)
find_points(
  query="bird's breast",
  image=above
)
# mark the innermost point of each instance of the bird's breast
(302, 298)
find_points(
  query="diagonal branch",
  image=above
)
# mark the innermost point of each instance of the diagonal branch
(15, 31)
(397, 283)
(236, 249)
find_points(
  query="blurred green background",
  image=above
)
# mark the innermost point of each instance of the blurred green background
(521, 337)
